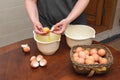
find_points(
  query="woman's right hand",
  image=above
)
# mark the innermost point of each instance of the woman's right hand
(38, 28)
(31, 6)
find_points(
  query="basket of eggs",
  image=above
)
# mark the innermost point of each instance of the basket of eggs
(91, 59)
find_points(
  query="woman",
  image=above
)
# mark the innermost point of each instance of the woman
(56, 14)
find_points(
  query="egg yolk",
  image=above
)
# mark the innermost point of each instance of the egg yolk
(46, 29)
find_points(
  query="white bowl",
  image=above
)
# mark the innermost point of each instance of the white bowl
(48, 44)
(79, 35)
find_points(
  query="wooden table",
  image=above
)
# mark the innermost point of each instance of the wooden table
(15, 64)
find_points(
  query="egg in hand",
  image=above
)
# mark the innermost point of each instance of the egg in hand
(46, 30)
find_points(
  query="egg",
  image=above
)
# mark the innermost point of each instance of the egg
(75, 55)
(78, 49)
(82, 54)
(46, 30)
(103, 61)
(101, 52)
(89, 61)
(93, 51)
(100, 58)
(75, 58)
(86, 52)
(96, 57)
(81, 60)
(91, 58)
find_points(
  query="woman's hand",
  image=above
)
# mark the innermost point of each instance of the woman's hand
(38, 28)
(60, 27)
(31, 7)
(75, 12)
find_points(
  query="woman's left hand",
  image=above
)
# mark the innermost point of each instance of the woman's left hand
(60, 27)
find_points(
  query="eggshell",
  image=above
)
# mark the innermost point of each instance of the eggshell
(34, 64)
(52, 29)
(43, 62)
(33, 58)
(39, 57)
(25, 47)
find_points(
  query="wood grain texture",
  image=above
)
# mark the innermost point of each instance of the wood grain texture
(100, 14)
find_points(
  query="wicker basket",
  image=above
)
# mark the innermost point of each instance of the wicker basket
(92, 68)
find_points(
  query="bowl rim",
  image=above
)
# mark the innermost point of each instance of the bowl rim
(45, 42)
(81, 38)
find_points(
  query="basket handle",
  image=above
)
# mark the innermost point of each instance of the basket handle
(91, 73)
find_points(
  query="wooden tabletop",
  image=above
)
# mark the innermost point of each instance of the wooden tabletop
(15, 64)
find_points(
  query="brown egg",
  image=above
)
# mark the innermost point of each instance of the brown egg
(75, 58)
(101, 52)
(78, 49)
(86, 52)
(75, 55)
(81, 60)
(82, 54)
(96, 57)
(93, 51)
(89, 61)
(91, 58)
(103, 61)
(46, 30)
